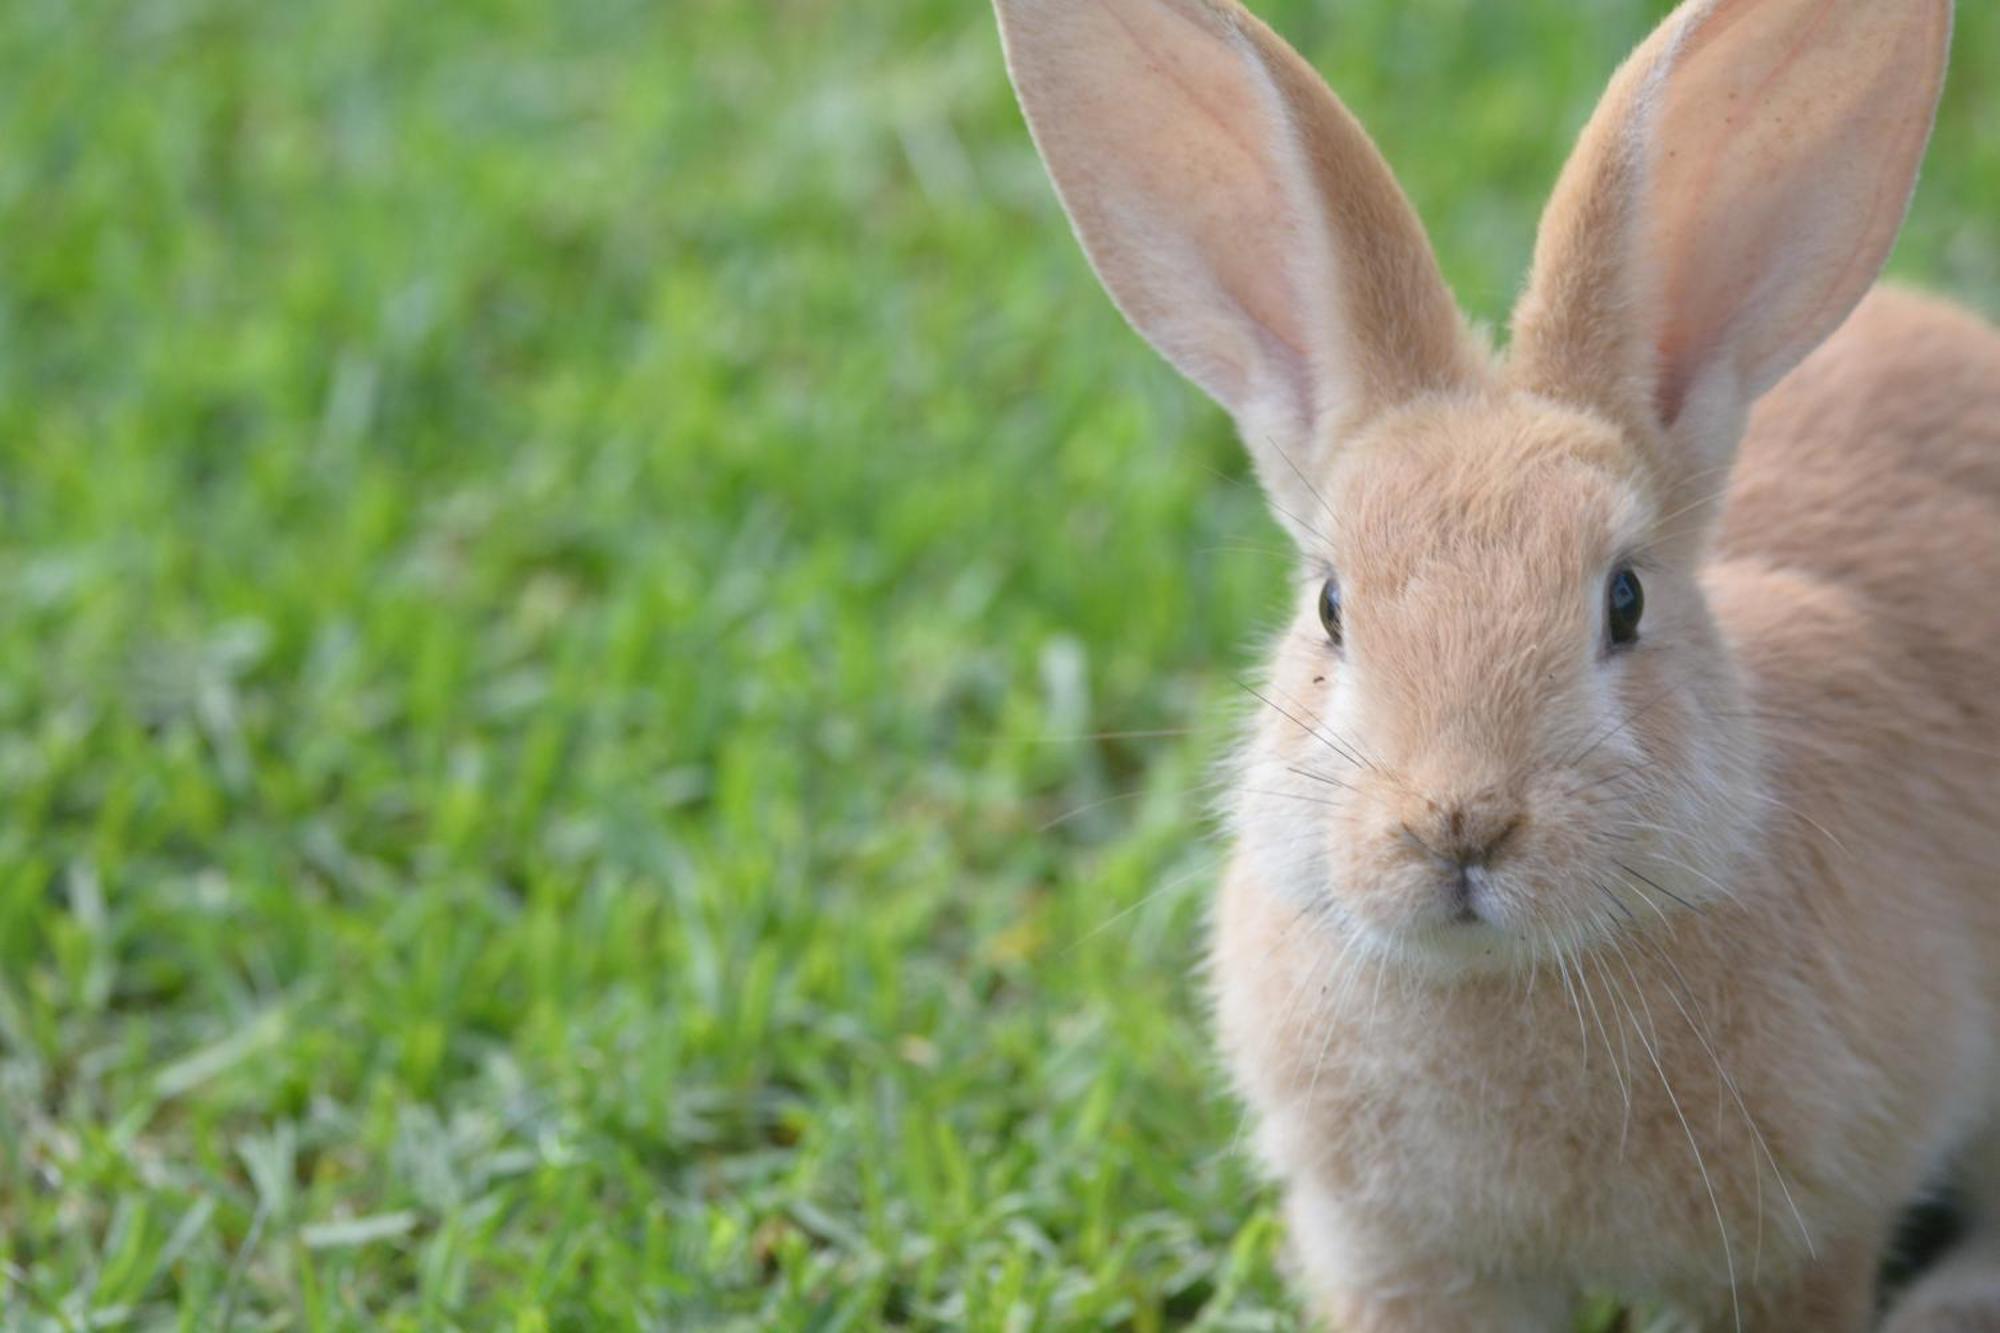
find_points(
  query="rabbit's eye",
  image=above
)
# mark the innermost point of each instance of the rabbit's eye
(1329, 610)
(1624, 603)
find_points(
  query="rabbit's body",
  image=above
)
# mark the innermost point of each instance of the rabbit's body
(1517, 1134)
(1615, 903)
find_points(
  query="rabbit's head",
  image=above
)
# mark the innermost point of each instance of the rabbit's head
(1501, 718)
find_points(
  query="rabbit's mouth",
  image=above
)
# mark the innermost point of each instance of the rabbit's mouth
(1469, 893)
(1447, 918)
(1534, 893)
(1547, 899)
(1464, 890)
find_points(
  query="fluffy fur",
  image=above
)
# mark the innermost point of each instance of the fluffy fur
(1728, 992)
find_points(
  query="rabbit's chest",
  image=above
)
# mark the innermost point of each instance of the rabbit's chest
(1529, 1126)
(1502, 1148)
(1528, 1159)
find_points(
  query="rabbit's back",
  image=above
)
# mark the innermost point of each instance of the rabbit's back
(1875, 467)
(1856, 575)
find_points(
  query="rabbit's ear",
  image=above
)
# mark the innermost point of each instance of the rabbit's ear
(1730, 203)
(1237, 213)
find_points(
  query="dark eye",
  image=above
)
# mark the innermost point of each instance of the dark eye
(1624, 603)
(1329, 610)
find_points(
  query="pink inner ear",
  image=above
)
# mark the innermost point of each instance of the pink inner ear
(1702, 146)
(1165, 144)
(1236, 212)
(1245, 227)
(1785, 144)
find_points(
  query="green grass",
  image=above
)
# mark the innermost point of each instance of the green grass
(556, 561)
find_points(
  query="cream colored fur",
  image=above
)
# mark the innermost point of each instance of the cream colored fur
(1732, 996)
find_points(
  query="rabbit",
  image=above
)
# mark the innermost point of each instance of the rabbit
(1613, 902)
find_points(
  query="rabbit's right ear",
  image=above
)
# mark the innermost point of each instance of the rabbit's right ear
(1238, 215)
(1729, 204)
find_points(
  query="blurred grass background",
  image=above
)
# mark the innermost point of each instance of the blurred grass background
(557, 562)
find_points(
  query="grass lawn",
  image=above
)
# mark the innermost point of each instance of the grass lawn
(562, 568)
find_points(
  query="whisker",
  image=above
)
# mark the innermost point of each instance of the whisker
(1680, 980)
(1649, 880)
(1630, 718)
(1353, 750)
(1725, 891)
(1701, 1163)
(1292, 796)
(1326, 1041)
(1304, 481)
(1800, 814)
(1157, 734)
(1246, 548)
(1210, 864)
(1295, 721)
(1133, 795)
(1319, 777)
(1562, 966)
(1692, 505)
(1266, 497)
(1626, 770)
(1612, 993)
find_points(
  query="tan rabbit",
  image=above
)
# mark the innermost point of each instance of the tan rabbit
(1615, 904)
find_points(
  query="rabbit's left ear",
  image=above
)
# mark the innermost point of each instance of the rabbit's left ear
(1732, 200)
(1237, 214)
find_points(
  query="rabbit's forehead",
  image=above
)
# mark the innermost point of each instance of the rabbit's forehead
(1497, 488)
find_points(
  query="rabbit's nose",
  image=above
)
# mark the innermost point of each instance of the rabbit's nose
(1475, 836)
(1465, 834)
